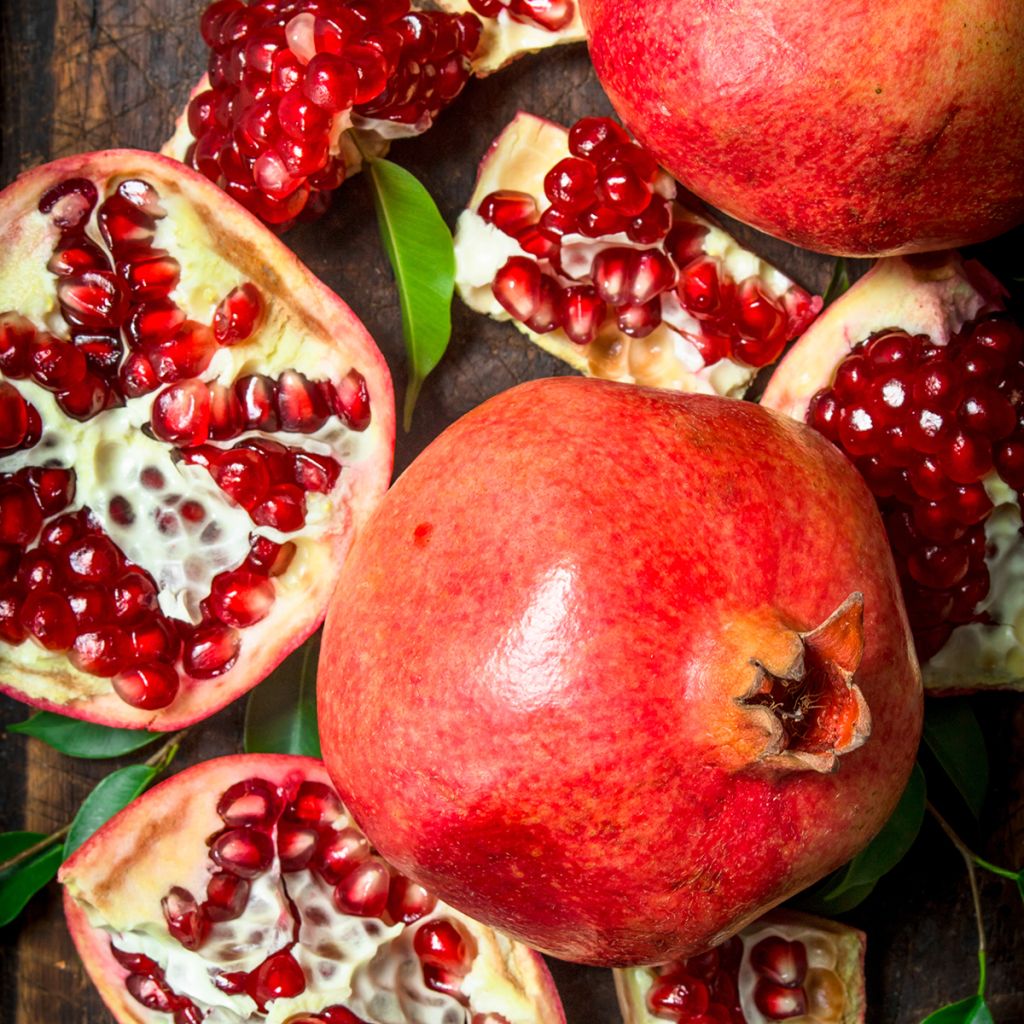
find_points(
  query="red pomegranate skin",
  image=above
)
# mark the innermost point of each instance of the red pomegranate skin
(529, 684)
(847, 127)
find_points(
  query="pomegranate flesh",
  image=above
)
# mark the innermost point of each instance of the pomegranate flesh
(579, 238)
(834, 126)
(918, 377)
(783, 967)
(191, 903)
(642, 662)
(193, 428)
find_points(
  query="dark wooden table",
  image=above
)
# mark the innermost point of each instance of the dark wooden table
(92, 74)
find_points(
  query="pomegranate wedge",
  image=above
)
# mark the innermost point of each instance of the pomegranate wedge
(579, 239)
(918, 376)
(241, 890)
(784, 967)
(193, 429)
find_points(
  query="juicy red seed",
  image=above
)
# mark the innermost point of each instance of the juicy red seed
(679, 995)
(55, 364)
(249, 802)
(85, 399)
(300, 405)
(137, 376)
(93, 559)
(699, 288)
(238, 315)
(570, 184)
(269, 558)
(315, 804)
(763, 326)
(985, 411)
(10, 558)
(103, 352)
(582, 313)
(181, 413)
(20, 517)
(137, 963)
(226, 896)
(613, 272)
(339, 852)
(101, 652)
(278, 977)
(16, 334)
(12, 628)
(36, 570)
(256, 395)
(240, 598)
(295, 847)
(653, 224)
(1001, 336)
(350, 399)
(780, 960)
(186, 354)
(621, 187)
(442, 944)
(407, 901)
(283, 509)
(152, 322)
(188, 1013)
(212, 22)
(94, 298)
(13, 417)
(363, 892)
(653, 274)
(599, 220)
(548, 14)
(638, 321)
(185, 919)
(243, 475)
(589, 135)
(211, 650)
(966, 458)
(330, 82)
(517, 287)
(343, 1015)
(226, 417)
(153, 640)
(777, 1002)
(538, 242)
(53, 488)
(70, 203)
(56, 536)
(317, 473)
(1009, 461)
(151, 992)
(245, 852)
(75, 255)
(148, 687)
(124, 225)
(508, 211)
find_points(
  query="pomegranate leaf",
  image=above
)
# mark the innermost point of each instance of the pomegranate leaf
(839, 283)
(82, 739)
(419, 246)
(112, 794)
(21, 882)
(850, 885)
(952, 733)
(280, 716)
(968, 1011)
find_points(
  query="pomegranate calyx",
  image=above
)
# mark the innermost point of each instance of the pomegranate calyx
(811, 709)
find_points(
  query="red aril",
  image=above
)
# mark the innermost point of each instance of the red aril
(559, 220)
(917, 375)
(157, 436)
(162, 922)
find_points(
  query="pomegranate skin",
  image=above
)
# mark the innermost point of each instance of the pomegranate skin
(851, 128)
(552, 628)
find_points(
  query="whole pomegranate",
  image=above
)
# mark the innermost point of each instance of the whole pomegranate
(192, 427)
(240, 890)
(631, 667)
(845, 127)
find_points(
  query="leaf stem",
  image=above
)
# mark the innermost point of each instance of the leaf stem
(161, 758)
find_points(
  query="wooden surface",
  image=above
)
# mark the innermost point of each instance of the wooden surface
(90, 74)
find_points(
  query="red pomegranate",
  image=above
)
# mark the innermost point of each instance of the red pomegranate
(241, 889)
(848, 127)
(640, 662)
(917, 375)
(193, 427)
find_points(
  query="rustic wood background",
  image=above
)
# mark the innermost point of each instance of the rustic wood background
(90, 74)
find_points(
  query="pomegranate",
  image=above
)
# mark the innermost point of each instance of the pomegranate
(917, 375)
(193, 428)
(241, 890)
(579, 239)
(834, 126)
(641, 662)
(783, 967)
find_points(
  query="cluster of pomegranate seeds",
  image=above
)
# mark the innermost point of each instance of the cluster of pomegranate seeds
(652, 268)
(285, 76)
(701, 990)
(304, 828)
(926, 424)
(552, 15)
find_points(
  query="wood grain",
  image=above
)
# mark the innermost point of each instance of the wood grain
(80, 75)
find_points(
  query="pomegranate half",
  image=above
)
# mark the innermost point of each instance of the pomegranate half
(863, 129)
(240, 890)
(192, 428)
(917, 375)
(641, 665)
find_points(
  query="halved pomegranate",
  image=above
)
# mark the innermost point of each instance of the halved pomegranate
(193, 428)
(579, 238)
(241, 890)
(918, 376)
(784, 967)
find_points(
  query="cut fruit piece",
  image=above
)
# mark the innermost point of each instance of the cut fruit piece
(580, 240)
(243, 930)
(784, 966)
(917, 375)
(168, 435)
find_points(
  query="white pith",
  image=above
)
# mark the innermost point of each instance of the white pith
(109, 451)
(518, 161)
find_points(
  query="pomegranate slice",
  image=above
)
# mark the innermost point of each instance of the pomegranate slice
(146, 494)
(783, 966)
(162, 922)
(580, 240)
(917, 375)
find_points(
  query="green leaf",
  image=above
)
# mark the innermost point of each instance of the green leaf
(419, 246)
(19, 884)
(280, 716)
(1020, 884)
(848, 886)
(967, 1011)
(82, 739)
(840, 282)
(954, 736)
(112, 794)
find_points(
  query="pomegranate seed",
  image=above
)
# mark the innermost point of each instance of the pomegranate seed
(256, 395)
(966, 458)
(124, 226)
(638, 321)
(76, 255)
(447, 982)
(1009, 461)
(284, 508)
(339, 1015)
(590, 135)
(1000, 336)
(363, 892)
(86, 399)
(213, 19)
(442, 944)
(557, 223)
(777, 1002)
(134, 596)
(780, 960)
(92, 299)
(138, 963)
(598, 221)
(582, 313)
(622, 188)
(517, 287)
(189, 1014)
(10, 558)
(316, 805)
(226, 417)
(300, 405)
(278, 977)
(570, 184)
(137, 376)
(238, 315)
(16, 334)
(12, 629)
(70, 203)
(549, 14)
(339, 852)
(20, 517)
(679, 996)
(351, 401)
(508, 211)
(101, 652)
(181, 413)
(330, 82)
(226, 897)
(762, 324)
(153, 640)
(151, 992)
(241, 598)
(93, 559)
(250, 802)
(295, 847)
(13, 417)
(185, 920)
(538, 242)
(242, 474)
(210, 651)
(148, 687)
(653, 224)
(152, 322)
(613, 272)
(245, 852)
(55, 364)
(318, 473)
(407, 901)
(186, 354)
(36, 571)
(699, 288)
